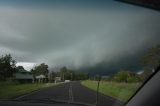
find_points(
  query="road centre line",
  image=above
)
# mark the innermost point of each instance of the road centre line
(71, 98)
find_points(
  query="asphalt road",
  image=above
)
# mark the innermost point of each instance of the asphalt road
(71, 92)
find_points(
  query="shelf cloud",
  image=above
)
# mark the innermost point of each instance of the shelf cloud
(77, 37)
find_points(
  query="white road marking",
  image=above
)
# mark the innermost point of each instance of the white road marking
(71, 98)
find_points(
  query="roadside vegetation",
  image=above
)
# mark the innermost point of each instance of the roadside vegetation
(123, 84)
(120, 91)
(12, 86)
(10, 89)
(120, 85)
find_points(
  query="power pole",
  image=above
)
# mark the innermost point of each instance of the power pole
(63, 76)
(97, 90)
(71, 76)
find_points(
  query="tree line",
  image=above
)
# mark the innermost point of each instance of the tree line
(68, 74)
(64, 73)
(149, 61)
(8, 68)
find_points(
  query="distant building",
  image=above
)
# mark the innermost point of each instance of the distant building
(67, 81)
(140, 72)
(57, 79)
(41, 78)
(23, 76)
(104, 77)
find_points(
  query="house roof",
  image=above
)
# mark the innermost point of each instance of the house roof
(23, 71)
(40, 76)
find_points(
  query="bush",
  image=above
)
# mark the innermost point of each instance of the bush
(126, 76)
(121, 76)
(132, 79)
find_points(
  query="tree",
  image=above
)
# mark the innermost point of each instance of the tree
(68, 74)
(97, 77)
(52, 76)
(19, 68)
(81, 76)
(121, 76)
(150, 61)
(145, 74)
(126, 76)
(109, 78)
(152, 58)
(133, 79)
(7, 66)
(40, 69)
(63, 73)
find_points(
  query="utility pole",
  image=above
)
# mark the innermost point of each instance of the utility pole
(63, 76)
(97, 90)
(71, 76)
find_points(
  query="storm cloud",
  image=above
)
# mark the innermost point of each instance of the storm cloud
(77, 37)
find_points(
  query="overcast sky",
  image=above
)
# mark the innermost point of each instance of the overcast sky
(75, 35)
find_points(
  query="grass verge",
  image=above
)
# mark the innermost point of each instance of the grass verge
(120, 91)
(8, 91)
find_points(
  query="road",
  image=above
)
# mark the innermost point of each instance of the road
(71, 92)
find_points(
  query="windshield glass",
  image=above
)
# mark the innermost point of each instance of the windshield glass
(76, 52)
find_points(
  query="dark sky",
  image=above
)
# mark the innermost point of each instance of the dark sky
(85, 35)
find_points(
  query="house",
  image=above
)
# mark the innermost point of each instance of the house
(41, 78)
(23, 76)
(57, 79)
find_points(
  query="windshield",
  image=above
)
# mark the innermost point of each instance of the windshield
(75, 52)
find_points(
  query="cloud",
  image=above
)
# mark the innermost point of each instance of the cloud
(77, 37)
(28, 66)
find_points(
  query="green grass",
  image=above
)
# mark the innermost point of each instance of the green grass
(121, 91)
(11, 90)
